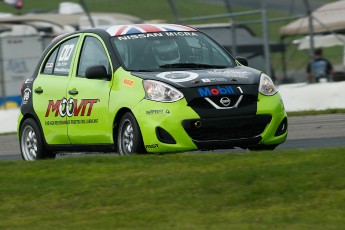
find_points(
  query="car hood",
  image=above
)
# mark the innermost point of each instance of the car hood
(239, 75)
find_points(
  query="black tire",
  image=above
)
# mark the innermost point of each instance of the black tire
(129, 139)
(31, 142)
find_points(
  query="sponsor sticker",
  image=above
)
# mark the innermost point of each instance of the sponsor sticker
(154, 111)
(72, 122)
(220, 90)
(153, 146)
(71, 107)
(157, 111)
(231, 73)
(49, 65)
(181, 34)
(26, 95)
(29, 80)
(128, 82)
(215, 91)
(213, 80)
(178, 76)
(160, 34)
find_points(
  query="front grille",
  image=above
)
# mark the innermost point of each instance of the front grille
(219, 129)
(202, 103)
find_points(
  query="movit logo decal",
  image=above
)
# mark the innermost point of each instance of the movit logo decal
(215, 91)
(71, 107)
(178, 76)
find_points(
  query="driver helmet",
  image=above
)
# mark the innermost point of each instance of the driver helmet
(166, 52)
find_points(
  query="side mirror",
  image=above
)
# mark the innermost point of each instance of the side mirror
(242, 60)
(97, 72)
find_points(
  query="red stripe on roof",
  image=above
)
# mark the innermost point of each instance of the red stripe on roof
(149, 28)
(119, 32)
(184, 27)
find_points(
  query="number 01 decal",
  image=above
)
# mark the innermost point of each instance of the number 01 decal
(66, 52)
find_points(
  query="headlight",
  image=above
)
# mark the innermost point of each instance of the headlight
(266, 86)
(159, 91)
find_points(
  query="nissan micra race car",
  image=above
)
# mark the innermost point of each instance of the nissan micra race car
(145, 88)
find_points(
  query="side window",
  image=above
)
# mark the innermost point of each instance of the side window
(64, 57)
(49, 65)
(92, 54)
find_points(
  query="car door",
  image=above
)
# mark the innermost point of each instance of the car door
(90, 122)
(49, 89)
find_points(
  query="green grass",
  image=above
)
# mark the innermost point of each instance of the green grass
(299, 189)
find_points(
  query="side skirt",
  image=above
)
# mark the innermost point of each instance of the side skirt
(83, 148)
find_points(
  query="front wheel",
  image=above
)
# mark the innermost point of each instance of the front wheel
(31, 142)
(129, 139)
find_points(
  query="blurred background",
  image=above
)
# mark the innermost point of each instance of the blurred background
(277, 37)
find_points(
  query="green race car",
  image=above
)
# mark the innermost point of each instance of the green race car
(146, 88)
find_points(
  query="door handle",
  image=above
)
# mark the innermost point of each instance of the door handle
(73, 92)
(38, 90)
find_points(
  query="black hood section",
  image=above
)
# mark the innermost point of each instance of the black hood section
(239, 75)
(213, 93)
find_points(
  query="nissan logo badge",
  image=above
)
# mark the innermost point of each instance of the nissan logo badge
(225, 101)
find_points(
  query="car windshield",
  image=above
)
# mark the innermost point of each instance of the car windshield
(170, 50)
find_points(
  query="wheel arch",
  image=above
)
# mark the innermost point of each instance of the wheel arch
(25, 117)
(36, 119)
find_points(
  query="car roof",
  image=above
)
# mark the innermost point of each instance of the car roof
(119, 30)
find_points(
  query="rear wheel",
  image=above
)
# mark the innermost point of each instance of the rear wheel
(31, 142)
(129, 139)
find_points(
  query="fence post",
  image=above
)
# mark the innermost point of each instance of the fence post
(174, 10)
(233, 29)
(266, 39)
(311, 38)
(2, 79)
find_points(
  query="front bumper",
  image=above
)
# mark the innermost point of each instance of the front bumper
(188, 131)
(227, 132)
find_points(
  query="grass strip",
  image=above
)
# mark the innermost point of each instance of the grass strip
(292, 189)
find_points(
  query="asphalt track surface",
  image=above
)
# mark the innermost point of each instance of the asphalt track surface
(305, 132)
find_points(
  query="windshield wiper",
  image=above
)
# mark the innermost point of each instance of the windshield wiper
(192, 65)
